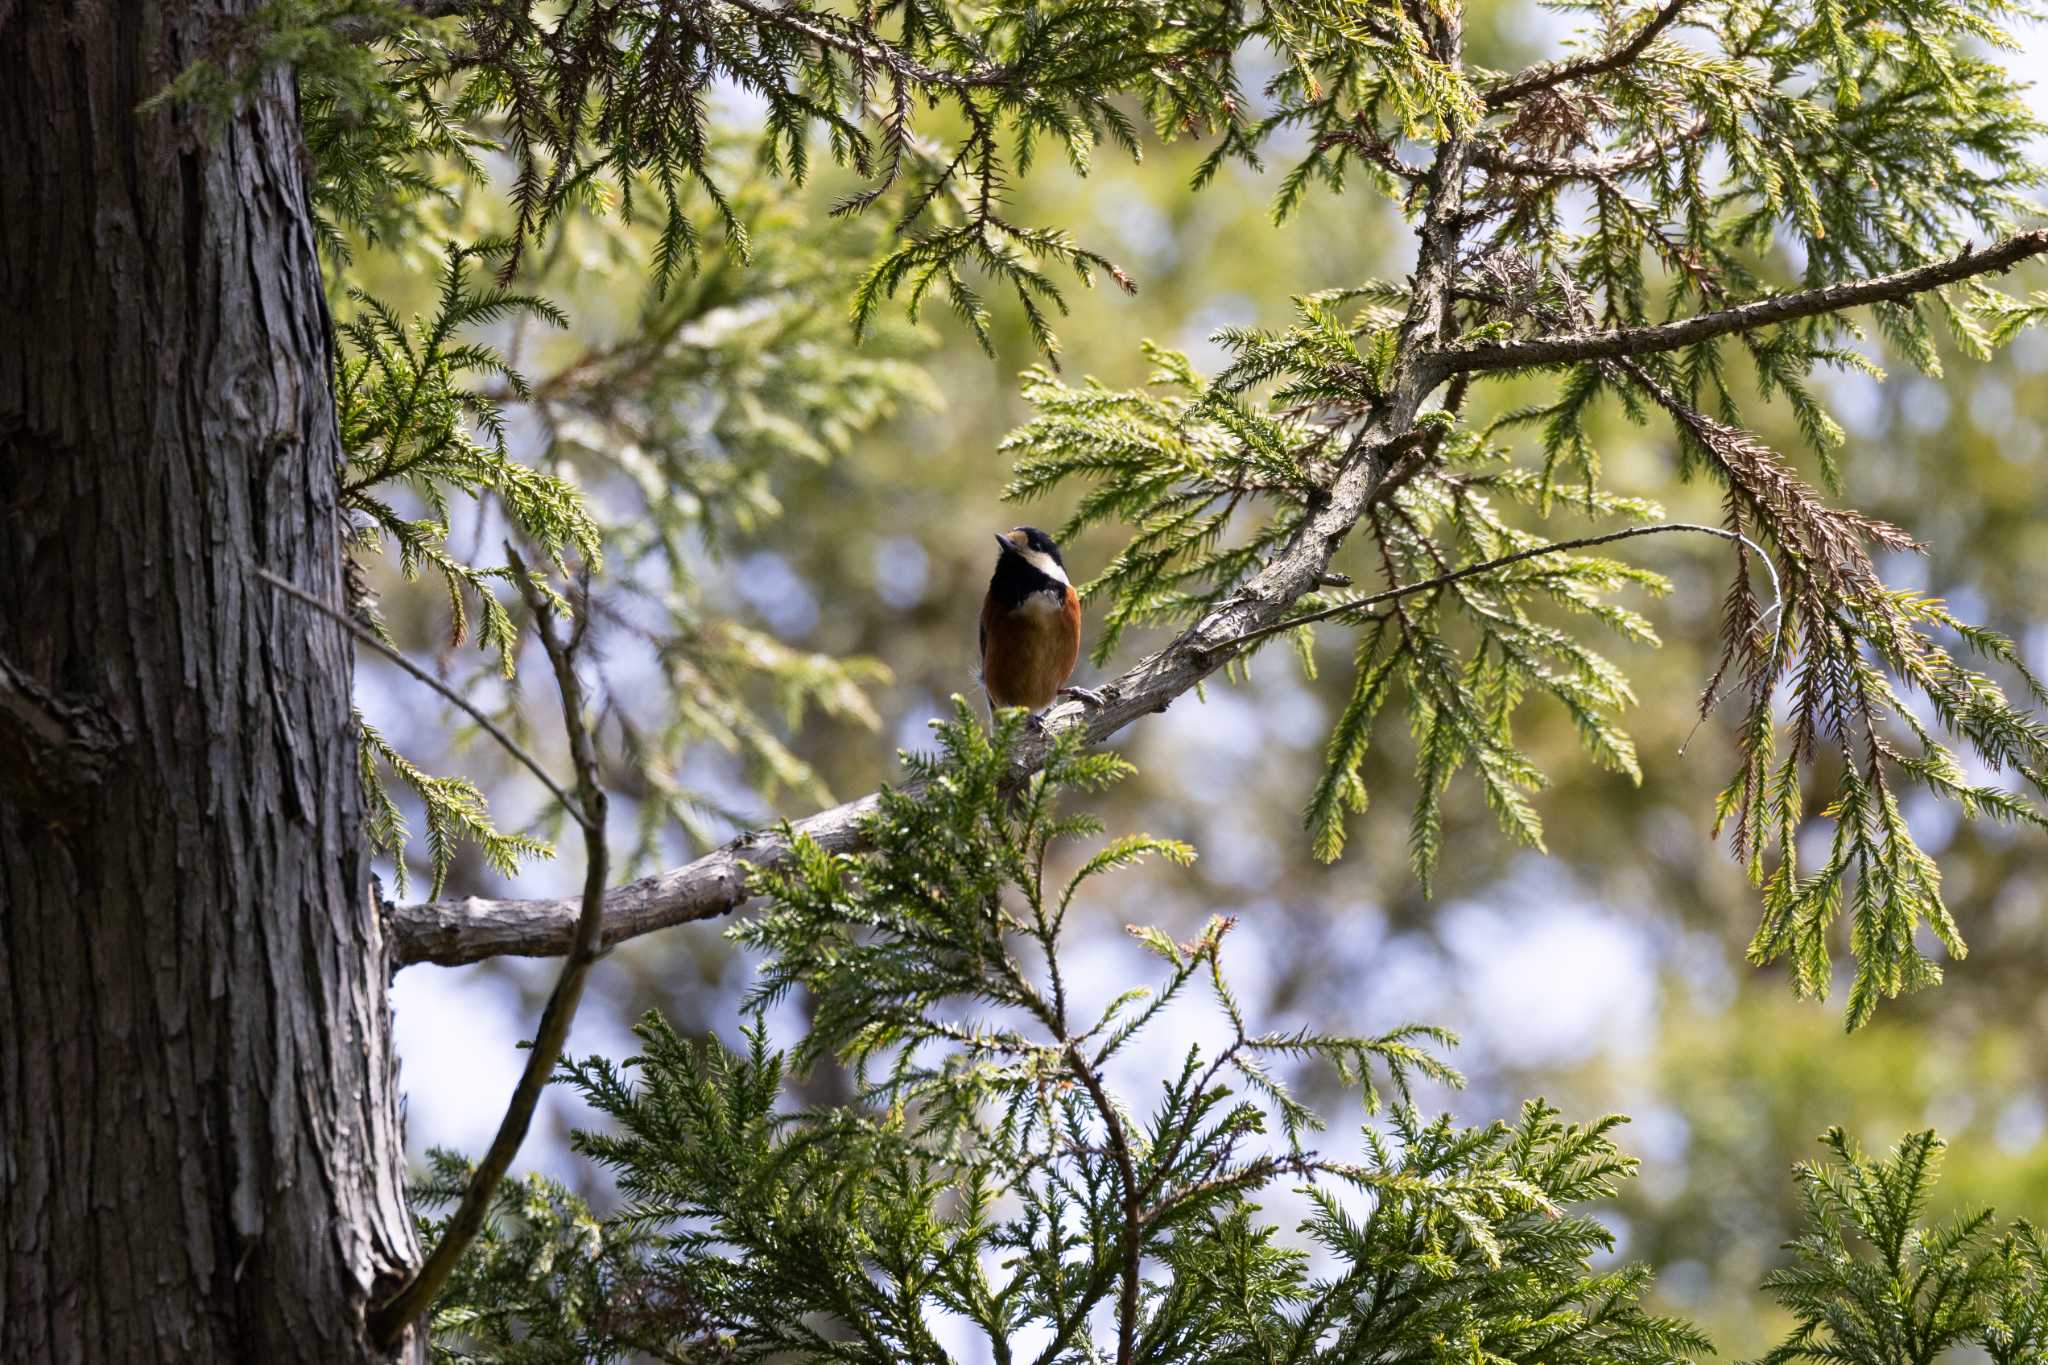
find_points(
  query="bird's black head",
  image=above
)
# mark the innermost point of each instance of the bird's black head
(1030, 542)
(1030, 562)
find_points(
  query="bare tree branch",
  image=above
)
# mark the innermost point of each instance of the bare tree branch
(1548, 74)
(1566, 347)
(453, 932)
(389, 1321)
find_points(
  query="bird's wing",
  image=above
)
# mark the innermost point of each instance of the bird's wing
(1070, 623)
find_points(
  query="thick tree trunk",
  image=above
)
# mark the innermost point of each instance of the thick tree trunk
(200, 1156)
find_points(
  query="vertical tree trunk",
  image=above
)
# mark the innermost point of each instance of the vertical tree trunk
(200, 1156)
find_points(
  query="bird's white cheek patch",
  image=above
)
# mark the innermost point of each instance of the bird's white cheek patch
(1045, 564)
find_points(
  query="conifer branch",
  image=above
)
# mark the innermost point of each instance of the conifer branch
(1351, 608)
(453, 932)
(1547, 74)
(390, 1320)
(1566, 347)
(792, 19)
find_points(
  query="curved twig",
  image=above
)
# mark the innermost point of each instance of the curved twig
(1548, 74)
(389, 1321)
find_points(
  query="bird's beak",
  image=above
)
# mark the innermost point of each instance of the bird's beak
(1005, 541)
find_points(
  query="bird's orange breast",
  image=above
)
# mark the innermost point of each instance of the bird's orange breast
(1029, 650)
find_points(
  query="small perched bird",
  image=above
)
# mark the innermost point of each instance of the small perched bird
(1030, 624)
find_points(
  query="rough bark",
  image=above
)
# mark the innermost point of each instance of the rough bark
(200, 1155)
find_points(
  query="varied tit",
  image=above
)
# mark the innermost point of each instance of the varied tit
(1030, 624)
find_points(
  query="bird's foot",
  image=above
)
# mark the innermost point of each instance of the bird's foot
(1087, 694)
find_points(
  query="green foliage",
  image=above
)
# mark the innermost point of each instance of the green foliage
(683, 426)
(987, 1170)
(409, 422)
(1175, 466)
(1847, 649)
(1187, 463)
(454, 807)
(1708, 141)
(1870, 1283)
(1874, 137)
(1905, 140)
(547, 1280)
(612, 96)
(604, 107)
(1858, 650)
(384, 153)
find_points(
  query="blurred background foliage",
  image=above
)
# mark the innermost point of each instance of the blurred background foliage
(793, 595)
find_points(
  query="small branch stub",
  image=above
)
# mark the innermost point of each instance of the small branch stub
(54, 750)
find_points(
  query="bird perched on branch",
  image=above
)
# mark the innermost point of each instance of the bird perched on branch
(1030, 624)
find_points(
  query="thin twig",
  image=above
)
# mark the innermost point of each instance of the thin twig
(1563, 348)
(1133, 1207)
(390, 1320)
(1474, 570)
(369, 637)
(1548, 74)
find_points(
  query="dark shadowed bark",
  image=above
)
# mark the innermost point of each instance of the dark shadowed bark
(200, 1156)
